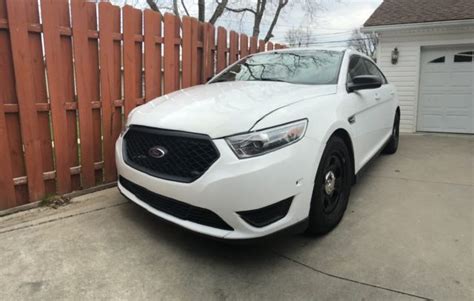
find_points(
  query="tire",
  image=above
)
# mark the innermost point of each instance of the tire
(392, 146)
(331, 188)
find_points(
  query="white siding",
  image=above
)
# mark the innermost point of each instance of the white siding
(405, 75)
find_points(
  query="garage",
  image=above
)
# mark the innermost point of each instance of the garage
(425, 48)
(446, 100)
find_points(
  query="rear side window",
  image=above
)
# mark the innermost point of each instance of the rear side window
(356, 68)
(374, 70)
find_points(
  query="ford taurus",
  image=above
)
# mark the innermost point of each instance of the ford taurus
(274, 141)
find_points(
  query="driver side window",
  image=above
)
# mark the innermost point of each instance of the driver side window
(373, 70)
(356, 68)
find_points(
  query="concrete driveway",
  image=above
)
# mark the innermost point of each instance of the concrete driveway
(407, 235)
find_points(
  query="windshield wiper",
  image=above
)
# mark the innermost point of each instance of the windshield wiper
(270, 79)
(220, 80)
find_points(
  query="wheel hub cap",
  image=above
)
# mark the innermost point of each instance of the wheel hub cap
(330, 182)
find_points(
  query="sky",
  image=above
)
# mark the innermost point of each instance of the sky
(332, 24)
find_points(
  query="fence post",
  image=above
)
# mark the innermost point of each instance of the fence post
(261, 46)
(244, 45)
(110, 83)
(269, 46)
(52, 11)
(187, 56)
(153, 41)
(253, 45)
(24, 78)
(87, 83)
(172, 42)
(208, 51)
(7, 98)
(221, 49)
(132, 57)
(197, 51)
(233, 47)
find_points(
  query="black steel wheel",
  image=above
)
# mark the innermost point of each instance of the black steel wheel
(392, 145)
(331, 188)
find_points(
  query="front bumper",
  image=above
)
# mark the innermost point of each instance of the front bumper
(231, 185)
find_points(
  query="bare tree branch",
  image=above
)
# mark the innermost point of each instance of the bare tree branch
(185, 8)
(261, 5)
(153, 6)
(202, 10)
(221, 6)
(241, 10)
(175, 8)
(281, 5)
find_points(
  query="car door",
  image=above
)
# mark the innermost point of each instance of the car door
(364, 114)
(384, 107)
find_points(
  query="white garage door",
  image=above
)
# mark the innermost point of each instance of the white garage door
(446, 101)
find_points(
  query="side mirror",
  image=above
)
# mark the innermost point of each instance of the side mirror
(364, 82)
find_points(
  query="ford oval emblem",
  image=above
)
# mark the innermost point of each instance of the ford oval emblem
(157, 152)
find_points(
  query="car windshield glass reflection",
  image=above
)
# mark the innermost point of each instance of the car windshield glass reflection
(317, 67)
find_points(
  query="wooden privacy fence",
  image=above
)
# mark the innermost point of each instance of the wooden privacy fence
(70, 71)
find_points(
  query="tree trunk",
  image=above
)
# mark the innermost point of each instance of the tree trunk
(219, 11)
(152, 5)
(258, 17)
(281, 5)
(202, 9)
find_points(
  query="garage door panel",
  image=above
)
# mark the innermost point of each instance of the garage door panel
(432, 101)
(446, 99)
(457, 124)
(459, 103)
(432, 121)
(435, 80)
(461, 79)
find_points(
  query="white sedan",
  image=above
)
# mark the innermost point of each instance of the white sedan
(273, 142)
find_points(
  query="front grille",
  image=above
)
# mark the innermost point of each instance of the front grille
(175, 208)
(187, 155)
(267, 215)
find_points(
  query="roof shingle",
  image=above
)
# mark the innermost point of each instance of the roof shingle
(392, 12)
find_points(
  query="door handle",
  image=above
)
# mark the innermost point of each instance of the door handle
(377, 97)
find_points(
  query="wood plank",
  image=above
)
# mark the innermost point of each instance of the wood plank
(51, 16)
(253, 45)
(196, 53)
(84, 68)
(261, 45)
(132, 57)
(208, 51)
(244, 45)
(152, 54)
(221, 49)
(171, 24)
(233, 47)
(269, 46)
(110, 83)
(187, 56)
(24, 77)
(7, 94)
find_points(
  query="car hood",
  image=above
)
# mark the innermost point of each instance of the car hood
(222, 109)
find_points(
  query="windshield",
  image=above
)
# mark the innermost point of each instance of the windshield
(311, 67)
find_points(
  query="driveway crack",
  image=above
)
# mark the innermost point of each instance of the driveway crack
(347, 279)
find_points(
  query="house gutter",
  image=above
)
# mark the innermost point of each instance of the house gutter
(408, 26)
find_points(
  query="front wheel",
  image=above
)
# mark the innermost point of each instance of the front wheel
(392, 146)
(331, 187)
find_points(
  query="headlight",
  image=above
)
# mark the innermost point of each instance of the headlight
(267, 140)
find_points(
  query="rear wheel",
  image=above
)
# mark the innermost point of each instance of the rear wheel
(331, 188)
(392, 145)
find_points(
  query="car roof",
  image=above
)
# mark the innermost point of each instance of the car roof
(348, 50)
